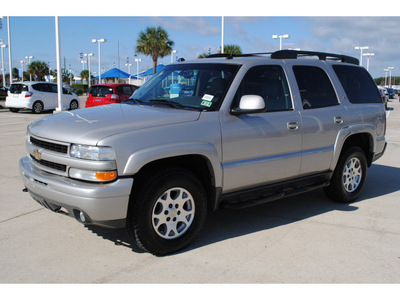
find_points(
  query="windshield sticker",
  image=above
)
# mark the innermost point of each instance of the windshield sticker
(206, 103)
(207, 97)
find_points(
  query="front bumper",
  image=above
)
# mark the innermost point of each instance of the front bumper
(101, 204)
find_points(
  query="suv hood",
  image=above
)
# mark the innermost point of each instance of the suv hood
(90, 125)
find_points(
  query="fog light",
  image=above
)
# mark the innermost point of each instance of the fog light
(82, 217)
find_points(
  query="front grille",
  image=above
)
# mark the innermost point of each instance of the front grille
(51, 165)
(49, 146)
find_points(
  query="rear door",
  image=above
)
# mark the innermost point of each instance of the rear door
(322, 116)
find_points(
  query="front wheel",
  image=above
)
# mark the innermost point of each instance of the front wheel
(73, 105)
(349, 176)
(167, 212)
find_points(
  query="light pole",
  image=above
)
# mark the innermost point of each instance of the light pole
(284, 36)
(386, 70)
(2, 62)
(361, 49)
(137, 70)
(88, 62)
(22, 67)
(368, 56)
(172, 54)
(129, 71)
(390, 76)
(29, 62)
(98, 41)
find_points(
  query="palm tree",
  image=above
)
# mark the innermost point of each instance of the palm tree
(232, 49)
(154, 42)
(85, 75)
(38, 68)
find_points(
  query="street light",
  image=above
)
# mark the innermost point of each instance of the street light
(137, 70)
(22, 67)
(29, 62)
(88, 60)
(98, 41)
(361, 49)
(368, 55)
(2, 62)
(390, 76)
(129, 71)
(386, 70)
(284, 36)
(172, 54)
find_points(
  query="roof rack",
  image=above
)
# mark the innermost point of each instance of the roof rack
(230, 55)
(281, 54)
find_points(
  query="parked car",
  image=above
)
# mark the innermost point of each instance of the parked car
(102, 94)
(3, 92)
(391, 92)
(39, 96)
(384, 96)
(256, 128)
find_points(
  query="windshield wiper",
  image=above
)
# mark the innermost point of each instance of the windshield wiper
(169, 102)
(133, 100)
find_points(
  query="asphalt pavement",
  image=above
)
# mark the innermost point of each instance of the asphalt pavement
(302, 239)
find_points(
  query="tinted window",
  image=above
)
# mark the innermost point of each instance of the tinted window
(38, 87)
(18, 88)
(125, 89)
(358, 84)
(101, 91)
(315, 88)
(270, 83)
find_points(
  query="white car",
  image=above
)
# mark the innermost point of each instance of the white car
(39, 96)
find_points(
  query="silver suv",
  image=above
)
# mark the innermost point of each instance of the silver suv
(225, 131)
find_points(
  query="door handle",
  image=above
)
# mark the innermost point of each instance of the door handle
(338, 120)
(292, 126)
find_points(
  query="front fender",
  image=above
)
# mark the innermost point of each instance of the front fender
(142, 157)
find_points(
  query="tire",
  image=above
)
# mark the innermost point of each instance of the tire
(73, 105)
(37, 107)
(167, 212)
(14, 110)
(349, 176)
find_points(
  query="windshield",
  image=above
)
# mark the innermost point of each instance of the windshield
(190, 86)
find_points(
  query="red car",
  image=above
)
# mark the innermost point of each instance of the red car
(102, 94)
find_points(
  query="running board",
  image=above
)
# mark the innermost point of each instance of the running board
(249, 198)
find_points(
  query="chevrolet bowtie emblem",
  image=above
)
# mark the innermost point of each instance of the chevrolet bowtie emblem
(36, 154)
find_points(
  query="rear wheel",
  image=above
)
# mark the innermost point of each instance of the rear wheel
(37, 107)
(167, 212)
(73, 105)
(349, 176)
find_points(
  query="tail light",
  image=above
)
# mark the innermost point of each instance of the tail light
(28, 94)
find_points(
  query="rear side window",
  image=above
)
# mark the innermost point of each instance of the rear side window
(358, 84)
(18, 88)
(315, 88)
(125, 89)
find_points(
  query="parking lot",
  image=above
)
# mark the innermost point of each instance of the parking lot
(302, 239)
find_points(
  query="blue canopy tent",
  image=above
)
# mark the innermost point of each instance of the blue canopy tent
(145, 75)
(113, 73)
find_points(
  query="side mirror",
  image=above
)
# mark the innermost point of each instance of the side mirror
(249, 104)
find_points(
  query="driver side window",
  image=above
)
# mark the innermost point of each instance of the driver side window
(270, 83)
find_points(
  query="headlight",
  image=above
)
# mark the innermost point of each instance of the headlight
(92, 152)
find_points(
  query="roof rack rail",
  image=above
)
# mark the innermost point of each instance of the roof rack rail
(230, 55)
(281, 54)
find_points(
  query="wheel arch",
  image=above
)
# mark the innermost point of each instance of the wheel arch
(199, 165)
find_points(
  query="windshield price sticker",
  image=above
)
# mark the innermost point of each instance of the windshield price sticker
(207, 97)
